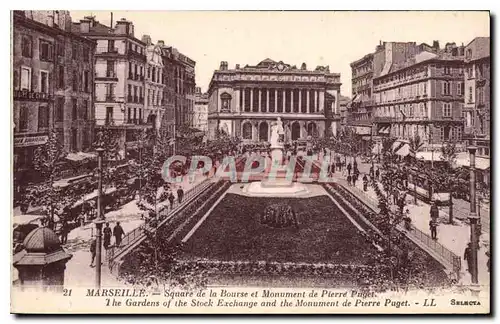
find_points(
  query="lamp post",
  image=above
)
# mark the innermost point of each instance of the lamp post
(473, 218)
(99, 220)
(140, 145)
(371, 140)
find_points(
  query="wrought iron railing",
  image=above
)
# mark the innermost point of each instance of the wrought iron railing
(134, 235)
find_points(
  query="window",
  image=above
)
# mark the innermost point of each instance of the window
(247, 131)
(74, 110)
(74, 51)
(460, 88)
(86, 54)
(447, 70)
(130, 92)
(45, 50)
(110, 69)
(446, 109)
(109, 115)
(27, 46)
(44, 81)
(446, 88)
(464, 117)
(60, 79)
(75, 81)
(23, 119)
(86, 81)
(85, 109)
(25, 78)
(74, 139)
(111, 45)
(43, 117)
(59, 111)
(480, 96)
(470, 94)
(470, 72)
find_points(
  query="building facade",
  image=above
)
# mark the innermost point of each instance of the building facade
(476, 112)
(53, 85)
(422, 96)
(154, 104)
(120, 86)
(200, 114)
(244, 101)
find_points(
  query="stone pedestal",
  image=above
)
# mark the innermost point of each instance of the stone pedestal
(276, 155)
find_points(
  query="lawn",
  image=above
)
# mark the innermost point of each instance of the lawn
(233, 231)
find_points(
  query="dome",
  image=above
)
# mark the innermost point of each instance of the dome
(42, 240)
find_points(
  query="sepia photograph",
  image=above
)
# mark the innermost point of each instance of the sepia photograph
(250, 162)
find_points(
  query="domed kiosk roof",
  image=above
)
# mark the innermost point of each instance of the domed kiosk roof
(41, 247)
(42, 240)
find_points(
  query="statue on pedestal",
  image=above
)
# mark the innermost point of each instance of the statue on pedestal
(277, 133)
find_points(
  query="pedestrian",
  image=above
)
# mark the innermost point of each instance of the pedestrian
(349, 167)
(365, 183)
(118, 233)
(407, 219)
(348, 179)
(354, 179)
(468, 257)
(433, 228)
(93, 244)
(332, 168)
(171, 199)
(64, 232)
(377, 174)
(180, 194)
(434, 212)
(107, 236)
(371, 172)
(355, 165)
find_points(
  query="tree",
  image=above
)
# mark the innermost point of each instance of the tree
(109, 142)
(446, 178)
(54, 200)
(416, 144)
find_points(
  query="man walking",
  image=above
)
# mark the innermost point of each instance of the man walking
(468, 257)
(349, 167)
(107, 236)
(64, 232)
(171, 199)
(118, 233)
(92, 252)
(365, 183)
(180, 194)
(433, 228)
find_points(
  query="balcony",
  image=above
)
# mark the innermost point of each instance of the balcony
(32, 95)
(134, 55)
(384, 119)
(110, 76)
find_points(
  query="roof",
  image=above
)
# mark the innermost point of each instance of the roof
(42, 240)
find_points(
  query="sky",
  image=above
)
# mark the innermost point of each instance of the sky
(316, 38)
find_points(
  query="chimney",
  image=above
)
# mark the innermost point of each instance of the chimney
(303, 66)
(111, 24)
(124, 27)
(237, 66)
(146, 39)
(198, 90)
(435, 44)
(161, 43)
(84, 25)
(223, 66)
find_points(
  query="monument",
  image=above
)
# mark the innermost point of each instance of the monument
(277, 142)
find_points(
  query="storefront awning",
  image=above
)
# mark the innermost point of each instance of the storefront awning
(384, 130)
(428, 156)
(404, 150)
(481, 163)
(360, 130)
(80, 156)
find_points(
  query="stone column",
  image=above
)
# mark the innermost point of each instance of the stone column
(243, 90)
(303, 131)
(300, 100)
(307, 103)
(251, 99)
(322, 101)
(237, 98)
(284, 100)
(275, 100)
(267, 100)
(255, 131)
(315, 100)
(260, 100)
(292, 107)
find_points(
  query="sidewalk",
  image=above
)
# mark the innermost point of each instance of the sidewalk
(78, 272)
(454, 237)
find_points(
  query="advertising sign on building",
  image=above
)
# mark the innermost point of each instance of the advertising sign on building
(30, 141)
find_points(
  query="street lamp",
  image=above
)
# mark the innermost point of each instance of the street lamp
(473, 218)
(99, 220)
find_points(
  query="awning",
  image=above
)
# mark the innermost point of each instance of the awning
(385, 130)
(404, 150)
(427, 156)
(93, 195)
(360, 130)
(481, 163)
(80, 156)
(27, 219)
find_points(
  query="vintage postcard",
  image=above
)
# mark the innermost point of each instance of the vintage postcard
(250, 162)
